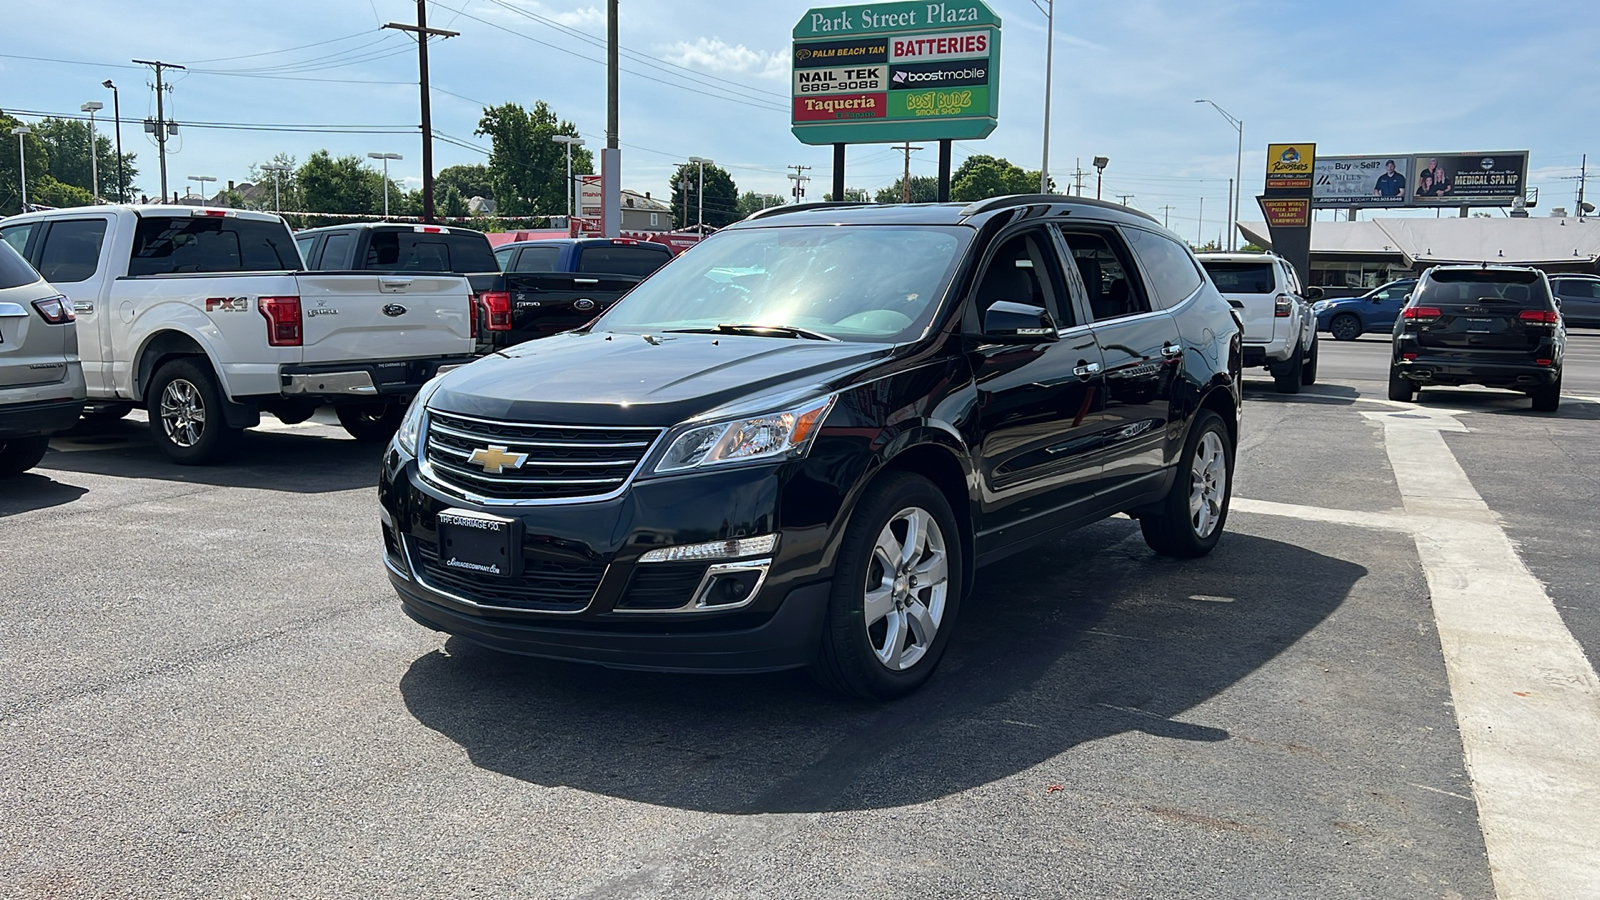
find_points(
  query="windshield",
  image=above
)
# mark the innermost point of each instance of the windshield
(864, 283)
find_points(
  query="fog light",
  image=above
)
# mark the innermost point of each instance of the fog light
(731, 549)
(731, 588)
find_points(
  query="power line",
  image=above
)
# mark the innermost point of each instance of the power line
(288, 50)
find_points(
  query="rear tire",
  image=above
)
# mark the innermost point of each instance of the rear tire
(1308, 372)
(1190, 520)
(1547, 399)
(1345, 327)
(886, 632)
(186, 418)
(1286, 375)
(18, 455)
(1402, 389)
(371, 423)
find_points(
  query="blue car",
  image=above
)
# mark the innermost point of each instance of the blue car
(1347, 318)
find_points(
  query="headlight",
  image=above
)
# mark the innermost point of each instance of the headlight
(411, 425)
(1321, 305)
(773, 436)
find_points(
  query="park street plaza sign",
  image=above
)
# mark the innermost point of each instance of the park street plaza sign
(886, 72)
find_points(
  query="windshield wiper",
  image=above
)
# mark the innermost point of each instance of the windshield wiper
(757, 330)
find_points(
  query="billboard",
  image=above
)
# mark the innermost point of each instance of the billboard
(1341, 182)
(898, 71)
(1420, 179)
(1289, 168)
(1469, 179)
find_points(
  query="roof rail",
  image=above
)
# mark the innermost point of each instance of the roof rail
(1011, 200)
(801, 207)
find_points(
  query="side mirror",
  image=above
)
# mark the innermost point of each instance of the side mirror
(1008, 322)
(1314, 293)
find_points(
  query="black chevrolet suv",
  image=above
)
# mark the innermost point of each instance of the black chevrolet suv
(1491, 325)
(794, 444)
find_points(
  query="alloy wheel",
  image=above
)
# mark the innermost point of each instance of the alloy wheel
(907, 586)
(1208, 484)
(183, 412)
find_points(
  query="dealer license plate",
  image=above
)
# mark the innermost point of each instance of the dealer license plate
(1480, 326)
(479, 544)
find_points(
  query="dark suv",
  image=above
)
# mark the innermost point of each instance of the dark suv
(1491, 325)
(794, 445)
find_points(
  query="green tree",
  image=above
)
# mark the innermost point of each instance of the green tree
(286, 181)
(469, 182)
(982, 177)
(924, 189)
(47, 191)
(721, 198)
(750, 201)
(527, 170)
(341, 185)
(38, 166)
(66, 142)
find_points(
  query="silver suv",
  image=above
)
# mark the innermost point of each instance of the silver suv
(41, 380)
(1280, 330)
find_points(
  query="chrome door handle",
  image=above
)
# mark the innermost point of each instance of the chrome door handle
(83, 306)
(1084, 370)
(1171, 350)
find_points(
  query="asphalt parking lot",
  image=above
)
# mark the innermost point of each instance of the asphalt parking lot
(211, 691)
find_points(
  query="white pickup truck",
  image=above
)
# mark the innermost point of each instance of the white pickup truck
(207, 318)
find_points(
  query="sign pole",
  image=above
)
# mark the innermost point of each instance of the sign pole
(944, 171)
(838, 172)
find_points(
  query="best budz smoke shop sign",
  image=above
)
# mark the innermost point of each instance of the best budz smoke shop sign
(896, 72)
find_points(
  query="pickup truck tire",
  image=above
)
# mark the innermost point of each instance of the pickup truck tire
(1286, 375)
(371, 422)
(186, 418)
(18, 455)
(1189, 522)
(1402, 389)
(886, 631)
(1308, 372)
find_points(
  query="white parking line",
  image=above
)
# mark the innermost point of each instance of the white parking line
(1526, 698)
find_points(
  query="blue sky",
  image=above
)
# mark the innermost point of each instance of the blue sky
(710, 78)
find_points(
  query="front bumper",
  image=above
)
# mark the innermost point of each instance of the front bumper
(1447, 371)
(583, 594)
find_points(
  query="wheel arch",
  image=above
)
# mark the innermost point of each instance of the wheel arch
(940, 462)
(162, 346)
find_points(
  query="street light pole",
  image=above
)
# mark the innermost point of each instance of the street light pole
(202, 179)
(701, 193)
(1049, 54)
(22, 162)
(1234, 210)
(91, 108)
(1100, 163)
(122, 168)
(386, 157)
(570, 142)
(277, 185)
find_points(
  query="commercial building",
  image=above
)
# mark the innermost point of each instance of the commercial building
(1349, 257)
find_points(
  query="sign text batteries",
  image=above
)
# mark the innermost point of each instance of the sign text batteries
(898, 71)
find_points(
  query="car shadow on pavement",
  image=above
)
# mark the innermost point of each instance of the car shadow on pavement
(1075, 641)
(1258, 391)
(1504, 403)
(295, 462)
(35, 489)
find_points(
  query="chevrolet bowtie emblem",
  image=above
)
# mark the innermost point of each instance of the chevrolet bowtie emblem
(495, 459)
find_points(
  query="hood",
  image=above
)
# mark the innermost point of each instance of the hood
(628, 380)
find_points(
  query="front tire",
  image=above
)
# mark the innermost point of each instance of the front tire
(371, 422)
(186, 419)
(1345, 327)
(1286, 375)
(18, 455)
(1190, 520)
(896, 589)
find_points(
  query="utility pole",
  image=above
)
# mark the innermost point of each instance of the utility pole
(905, 181)
(1583, 176)
(1078, 173)
(1049, 58)
(799, 177)
(1124, 198)
(611, 156)
(1166, 217)
(163, 127)
(1200, 230)
(423, 32)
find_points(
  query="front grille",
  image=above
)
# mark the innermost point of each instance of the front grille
(544, 585)
(662, 586)
(563, 462)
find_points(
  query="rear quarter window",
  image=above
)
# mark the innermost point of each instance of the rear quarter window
(1241, 277)
(165, 245)
(622, 260)
(14, 270)
(538, 259)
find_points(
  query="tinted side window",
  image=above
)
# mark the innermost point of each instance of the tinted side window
(503, 257)
(1580, 289)
(1107, 273)
(1520, 290)
(640, 261)
(164, 245)
(430, 252)
(1172, 272)
(336, 250)
(14, 270)
(71, 250)
(17, 236)
(304, 243)
(1023, 270)
(1242, 277)
(538, 259)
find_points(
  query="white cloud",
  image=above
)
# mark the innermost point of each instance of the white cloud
(579, 18)
(717, 55)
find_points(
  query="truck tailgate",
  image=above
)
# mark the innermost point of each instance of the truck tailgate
(544, 303)
(351, 316)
